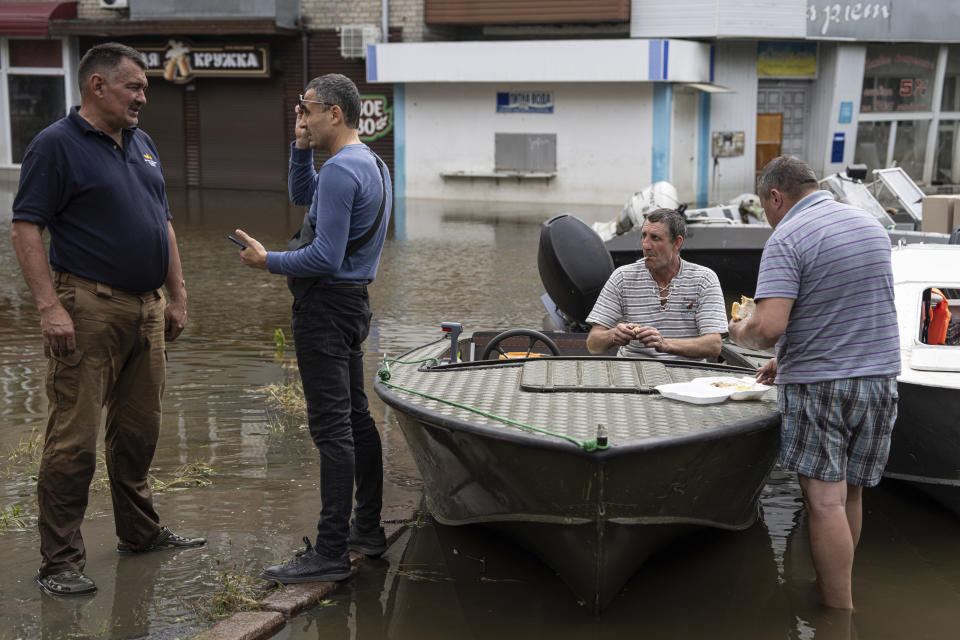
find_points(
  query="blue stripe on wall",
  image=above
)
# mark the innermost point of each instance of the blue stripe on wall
(662, 116)
(666, 60)
(703, 150)
(399, 161)
(371, 63)
(655, 62)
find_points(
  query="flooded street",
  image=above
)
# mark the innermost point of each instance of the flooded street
(446, 262)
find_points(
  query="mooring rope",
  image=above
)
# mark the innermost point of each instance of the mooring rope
(384, 375)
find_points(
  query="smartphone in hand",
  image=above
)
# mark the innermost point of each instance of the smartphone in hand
(232, 239)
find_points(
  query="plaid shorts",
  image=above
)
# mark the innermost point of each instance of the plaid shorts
(838, 429)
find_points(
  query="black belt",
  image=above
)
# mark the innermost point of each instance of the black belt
(340, 285)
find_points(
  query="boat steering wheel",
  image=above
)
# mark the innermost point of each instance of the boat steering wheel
(535, 337)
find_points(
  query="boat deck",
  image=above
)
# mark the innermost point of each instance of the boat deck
(570, 396)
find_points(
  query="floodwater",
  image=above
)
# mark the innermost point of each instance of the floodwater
(476, 265)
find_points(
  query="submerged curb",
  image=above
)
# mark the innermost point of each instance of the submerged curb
(287, 602)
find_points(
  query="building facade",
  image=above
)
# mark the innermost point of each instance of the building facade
(224, 77)
(536, 100)
(835, 82)
(832, 82)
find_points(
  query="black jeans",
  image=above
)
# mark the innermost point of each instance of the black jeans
(329, 326)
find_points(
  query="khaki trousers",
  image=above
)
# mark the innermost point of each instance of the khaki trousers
(119, 364)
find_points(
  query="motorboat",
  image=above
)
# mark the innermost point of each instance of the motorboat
(585, 459)
(730, 242)
(577, 457)
(925, 447)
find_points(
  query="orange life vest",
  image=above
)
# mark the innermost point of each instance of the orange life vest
(939, 319)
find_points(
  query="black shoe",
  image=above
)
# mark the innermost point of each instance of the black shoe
(166, 539)
(370, 543)
(309, 566)
(67, 583)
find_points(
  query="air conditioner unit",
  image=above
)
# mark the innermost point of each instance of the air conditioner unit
(113, 4)
(354, 39)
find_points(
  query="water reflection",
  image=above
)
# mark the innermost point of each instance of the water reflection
(471, 263)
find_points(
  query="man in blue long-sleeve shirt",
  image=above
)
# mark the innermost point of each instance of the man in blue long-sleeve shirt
(350, 202)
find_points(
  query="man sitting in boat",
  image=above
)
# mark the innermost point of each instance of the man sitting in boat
(660, 305)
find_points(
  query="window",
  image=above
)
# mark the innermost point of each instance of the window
(35, 103)
(34, 92)
(910, 146)
(946, 167)
(897, 109)
(873, 139)
(951, 80)
(535, 152)
(898, 78)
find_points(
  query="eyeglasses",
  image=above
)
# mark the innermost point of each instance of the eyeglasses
(301, 100)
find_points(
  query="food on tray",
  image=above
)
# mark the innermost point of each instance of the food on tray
(730, 384)
(723, 384)
(743, 309)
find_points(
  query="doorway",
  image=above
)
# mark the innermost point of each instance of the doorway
(782, 114)
(769, 138)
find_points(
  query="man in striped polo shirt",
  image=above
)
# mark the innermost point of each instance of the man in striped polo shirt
(660, 305)
(825, 299)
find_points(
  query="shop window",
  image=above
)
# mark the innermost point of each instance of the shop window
(525, 152)
(946, 161)
(899, 78)
(910, 146)
(35, 53)
(35, 102)
(872, 141)
(951, 80)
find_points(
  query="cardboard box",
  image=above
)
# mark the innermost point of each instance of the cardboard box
(940, 213)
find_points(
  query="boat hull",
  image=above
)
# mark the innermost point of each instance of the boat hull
(925, 446)
(594, 518)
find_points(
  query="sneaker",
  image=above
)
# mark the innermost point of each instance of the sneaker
(309, 566)
(166, 539)
(370, 543)
(67, 583)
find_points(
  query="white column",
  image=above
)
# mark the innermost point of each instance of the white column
(937, 98)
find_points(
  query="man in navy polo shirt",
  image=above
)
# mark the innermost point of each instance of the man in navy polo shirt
(94, 180)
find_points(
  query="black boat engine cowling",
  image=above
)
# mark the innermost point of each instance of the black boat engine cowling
(574, 265)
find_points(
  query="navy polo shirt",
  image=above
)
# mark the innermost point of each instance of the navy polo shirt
(105, 206)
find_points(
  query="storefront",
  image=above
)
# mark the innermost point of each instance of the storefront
(910, 110)
(221, 108)
(220, 105)
(37, 75)
(839, 82)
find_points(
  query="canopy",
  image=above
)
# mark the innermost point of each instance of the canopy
(31, 18)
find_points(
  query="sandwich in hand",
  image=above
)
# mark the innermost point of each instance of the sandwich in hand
(743, 309)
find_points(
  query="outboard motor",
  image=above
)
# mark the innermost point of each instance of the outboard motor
(954, 237)
(574, 265)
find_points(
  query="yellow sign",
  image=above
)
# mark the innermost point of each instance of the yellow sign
(786, 59)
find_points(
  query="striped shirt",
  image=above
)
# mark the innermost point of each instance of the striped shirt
(833, 260)
(694, 305)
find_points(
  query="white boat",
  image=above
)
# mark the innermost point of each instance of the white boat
(730, 242)
(925, 449)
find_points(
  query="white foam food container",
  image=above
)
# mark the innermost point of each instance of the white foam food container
(712, 389)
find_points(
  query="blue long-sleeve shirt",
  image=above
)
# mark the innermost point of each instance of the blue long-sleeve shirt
(344, 198)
